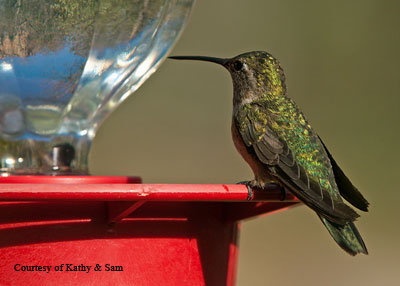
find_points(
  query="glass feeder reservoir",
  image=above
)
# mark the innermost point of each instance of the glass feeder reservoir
(65, 65)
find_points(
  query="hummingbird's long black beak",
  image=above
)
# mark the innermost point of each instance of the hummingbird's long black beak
(200, 58)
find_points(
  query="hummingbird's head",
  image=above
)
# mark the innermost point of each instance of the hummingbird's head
(252, 73)
(257, 71)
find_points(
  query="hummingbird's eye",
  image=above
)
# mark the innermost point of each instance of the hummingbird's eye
(237, 65)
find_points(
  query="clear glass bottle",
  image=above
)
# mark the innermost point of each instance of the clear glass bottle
(65, 65)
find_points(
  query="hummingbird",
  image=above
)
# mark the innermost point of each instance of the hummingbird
(276, 140)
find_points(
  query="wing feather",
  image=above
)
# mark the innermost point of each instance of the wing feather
(346, 188)
(275, 153)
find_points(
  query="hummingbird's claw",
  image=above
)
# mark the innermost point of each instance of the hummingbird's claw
(249, 188)
(283, 193)
(276, 185)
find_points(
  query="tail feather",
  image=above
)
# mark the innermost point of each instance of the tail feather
(347, 236)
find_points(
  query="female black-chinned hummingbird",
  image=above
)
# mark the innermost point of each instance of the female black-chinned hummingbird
(276, 140)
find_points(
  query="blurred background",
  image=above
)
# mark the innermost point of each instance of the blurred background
(342, 67)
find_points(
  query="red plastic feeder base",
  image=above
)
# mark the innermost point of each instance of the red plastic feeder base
(115, 231)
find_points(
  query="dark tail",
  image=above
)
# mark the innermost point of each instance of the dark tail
(347, 236)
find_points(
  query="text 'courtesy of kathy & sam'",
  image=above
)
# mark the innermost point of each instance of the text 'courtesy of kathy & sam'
(68, 267)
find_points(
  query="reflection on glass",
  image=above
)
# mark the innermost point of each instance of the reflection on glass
(66, 64)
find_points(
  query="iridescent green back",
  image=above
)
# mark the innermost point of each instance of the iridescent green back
(293, 128)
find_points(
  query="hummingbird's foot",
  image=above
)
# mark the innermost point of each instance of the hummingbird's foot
(283, 194)
(249, 185)
(282, 189)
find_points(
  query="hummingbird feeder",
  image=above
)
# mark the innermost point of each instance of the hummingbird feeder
(64, 67)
